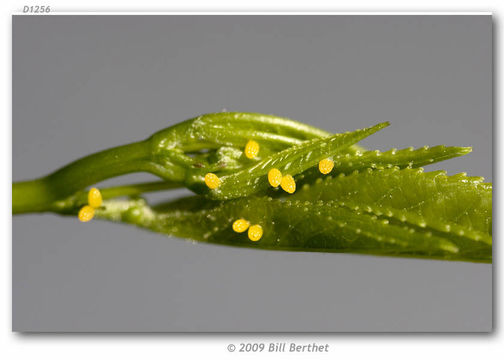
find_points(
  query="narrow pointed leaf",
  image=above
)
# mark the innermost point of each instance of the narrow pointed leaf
(292, 161)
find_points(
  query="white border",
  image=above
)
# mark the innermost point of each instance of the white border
(15, 346)
(252, 13)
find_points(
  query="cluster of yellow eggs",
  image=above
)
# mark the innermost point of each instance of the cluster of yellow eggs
(255, 232)
(86, 213)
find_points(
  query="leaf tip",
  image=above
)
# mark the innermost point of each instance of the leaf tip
(465, 150)
(379, 126)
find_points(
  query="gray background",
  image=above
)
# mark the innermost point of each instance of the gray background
(82, 84)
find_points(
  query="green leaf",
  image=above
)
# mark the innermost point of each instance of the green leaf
(409, 157)
(458, 206)
(292, 161)
(370, 212)
(348, 163)
(234, 129)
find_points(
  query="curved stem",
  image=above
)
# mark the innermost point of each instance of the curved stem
(39, 195)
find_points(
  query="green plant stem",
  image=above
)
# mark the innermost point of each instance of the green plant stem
(40, 194)
(73, 203)
(138, 189)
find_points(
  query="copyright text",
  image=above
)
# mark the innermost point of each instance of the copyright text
(280, 347)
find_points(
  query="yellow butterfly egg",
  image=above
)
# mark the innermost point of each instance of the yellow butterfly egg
(86, 213)
(94, 198)
(212, 181)
(274, 177)
(255, 232)
(251, 149)
(288, 184)
(325, 166)
(241, 225)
